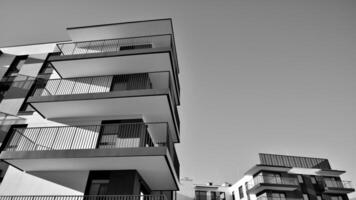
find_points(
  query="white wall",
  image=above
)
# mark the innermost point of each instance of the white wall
(235, 188)
(17, 182)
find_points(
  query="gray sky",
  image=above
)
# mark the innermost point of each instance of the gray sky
(274, 76)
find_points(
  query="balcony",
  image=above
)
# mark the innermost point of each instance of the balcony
(277, 198)
(261, 183)
(86, 197)
(148, 95)
(338, 187)
(117, 56)
(145, 147)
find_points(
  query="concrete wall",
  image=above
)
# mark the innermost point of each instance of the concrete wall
(17, 182)
(234, 189)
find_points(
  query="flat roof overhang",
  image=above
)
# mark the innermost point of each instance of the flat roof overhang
(257, 168)
(269, 186)
(330, 172)
(154, 105)
(123, 29)
(332, 190)
(150, 162)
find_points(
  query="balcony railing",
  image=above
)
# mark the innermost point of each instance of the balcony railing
(123, 135)
(120, 44)
(102, 84)
(260, 179)
(87, 197)
(107, 136)
(277, 198)
(114, 45)
(105, 84)
(338, 184)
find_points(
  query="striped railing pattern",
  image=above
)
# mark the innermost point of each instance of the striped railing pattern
(86, 197)
(114, 45)
(277, 198)
(337, 184)
(103, 84)
(272, 180)
(124, 135)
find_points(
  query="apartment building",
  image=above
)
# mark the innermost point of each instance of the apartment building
(281, 177)
(212, 191)
(94, 117)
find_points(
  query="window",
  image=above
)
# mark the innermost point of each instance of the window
(272, 178)
(246, 189)
(336, 198)
(222, 196)
(318, 197)
(200, 195)
(233, 195)
(16, 65)
(279, 196)
(213, 195)
(313, 180)
(139, 46)
(99, 187)
(300, 178)
(241, 192)
(305, 197)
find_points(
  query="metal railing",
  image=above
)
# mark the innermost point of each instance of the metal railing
(277, 198)
(102, 84)
(114, 45)
(123, 135)
(86, 197)
(105, 84)
(272, 180)
(338, 184)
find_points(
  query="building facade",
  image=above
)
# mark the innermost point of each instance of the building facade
(280, 177)
(96, 115)
(210, 191)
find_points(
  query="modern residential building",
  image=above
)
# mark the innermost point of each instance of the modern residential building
(280, 177)
(210, 191)
(96, 115)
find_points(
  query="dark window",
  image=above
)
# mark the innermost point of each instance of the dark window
(233, 195)
(222, 196)
(131, 82)
(99, 187)
(246, 189)
(124, 133)
(300, 178)
(313, 180)
(241, 192)
(16, 65)
(200, 195)
(279, 196)
(139, 46)
(4, 87)
(214, 195)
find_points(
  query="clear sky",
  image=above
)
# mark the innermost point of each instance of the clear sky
(274, 76)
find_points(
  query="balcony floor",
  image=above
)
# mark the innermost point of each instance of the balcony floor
(149, 162)
(126, 62)
(153, 105)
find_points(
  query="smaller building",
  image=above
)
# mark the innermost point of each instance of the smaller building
(210, 191)
(281, 177)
